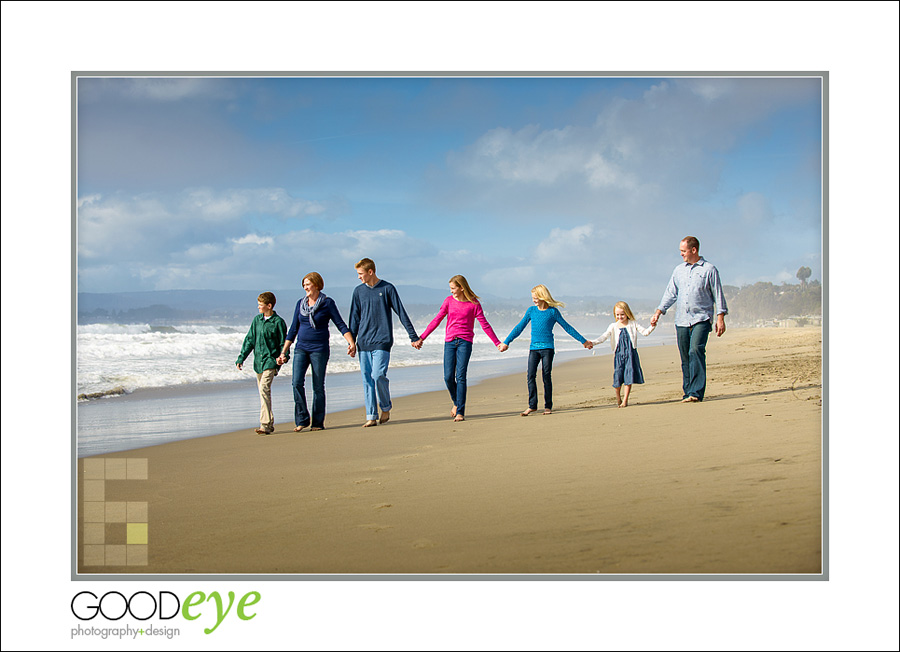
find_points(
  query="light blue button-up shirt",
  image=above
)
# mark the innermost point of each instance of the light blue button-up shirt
(698, 290)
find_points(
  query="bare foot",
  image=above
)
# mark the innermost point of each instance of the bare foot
(370, 423)
(623, 404)
(299, 428)
(385, 417)
(548, 411)
(527, 412)
(459, 417)
(690, 399)
(453, 411)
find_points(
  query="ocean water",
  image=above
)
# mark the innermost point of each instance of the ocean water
(142, 385)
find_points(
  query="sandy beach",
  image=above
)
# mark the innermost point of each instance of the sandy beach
(732, 485)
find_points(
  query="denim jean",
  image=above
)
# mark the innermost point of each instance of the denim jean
(374, 367)
(692, 347)
(456, 363)
(545, 357)
(302, 361)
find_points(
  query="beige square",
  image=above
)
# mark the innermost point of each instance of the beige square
(116, 469)
(94, 490)
(136, 468)
(94, 512)
(94, 533)
(94, 555)
(94, 469)
(136, 555)
(136, 512)
(115, 555)
(115, 512)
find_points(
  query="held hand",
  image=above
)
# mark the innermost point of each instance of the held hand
(239, 366)
(280, 360)
(589, 345)
(417, 345)
(351, 350)
(655, 318)
(502, 347)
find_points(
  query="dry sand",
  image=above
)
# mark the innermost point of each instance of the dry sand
(732, 485)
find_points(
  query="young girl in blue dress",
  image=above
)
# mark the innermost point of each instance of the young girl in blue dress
(543, 315)
(622, 334)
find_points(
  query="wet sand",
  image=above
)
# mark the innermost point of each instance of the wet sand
(731, 485)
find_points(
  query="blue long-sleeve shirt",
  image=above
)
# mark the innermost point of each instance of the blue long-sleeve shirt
(371, 322)
(697, 289)
(315, 339)
(542, 322)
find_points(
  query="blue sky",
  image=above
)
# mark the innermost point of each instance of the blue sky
(583, 184)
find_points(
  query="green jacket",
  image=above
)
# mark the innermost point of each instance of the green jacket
(265, 338)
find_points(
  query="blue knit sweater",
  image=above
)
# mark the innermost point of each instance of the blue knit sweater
(542, 322)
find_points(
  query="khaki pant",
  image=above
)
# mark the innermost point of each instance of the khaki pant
(264, 381)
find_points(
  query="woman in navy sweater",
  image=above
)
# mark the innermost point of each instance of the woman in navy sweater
(309, 328)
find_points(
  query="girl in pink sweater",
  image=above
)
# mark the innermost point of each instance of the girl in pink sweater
(461, 309)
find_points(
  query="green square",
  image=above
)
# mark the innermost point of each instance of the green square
(136, 533)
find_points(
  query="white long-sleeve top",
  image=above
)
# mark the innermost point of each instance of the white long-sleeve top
(612, 334)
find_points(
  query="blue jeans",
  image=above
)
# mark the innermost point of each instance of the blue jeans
(692, 347)
(456, 363)
(302, 361)
(545, 357)
(374, 366)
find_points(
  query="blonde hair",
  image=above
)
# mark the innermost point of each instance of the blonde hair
(316, 280)
(624, 307)
(365, 264)
(543, 294)
(461, 281)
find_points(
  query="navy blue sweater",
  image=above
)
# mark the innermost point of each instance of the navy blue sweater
(371, 322)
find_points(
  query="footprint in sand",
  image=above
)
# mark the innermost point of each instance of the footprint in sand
(382, 506)
(377, 527)
(363, 481)
(421, 544)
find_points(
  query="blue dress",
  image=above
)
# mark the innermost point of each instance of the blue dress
(627, 364)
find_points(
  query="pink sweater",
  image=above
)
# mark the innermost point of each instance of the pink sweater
(461, 317)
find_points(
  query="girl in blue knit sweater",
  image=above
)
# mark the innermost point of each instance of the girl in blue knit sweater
(543, 315)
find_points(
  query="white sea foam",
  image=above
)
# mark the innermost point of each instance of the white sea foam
(112, 358)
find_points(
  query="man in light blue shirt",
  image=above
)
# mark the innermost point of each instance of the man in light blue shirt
(696, 288)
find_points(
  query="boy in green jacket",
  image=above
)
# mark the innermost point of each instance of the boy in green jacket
(265, 339)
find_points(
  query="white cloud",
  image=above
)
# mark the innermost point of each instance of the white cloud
(146, 226)
(253, 238)
(663, 146)
(569, 245)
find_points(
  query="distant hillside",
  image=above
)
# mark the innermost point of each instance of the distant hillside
(238, 306)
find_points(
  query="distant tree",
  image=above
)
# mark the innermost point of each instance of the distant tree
(804, 273)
